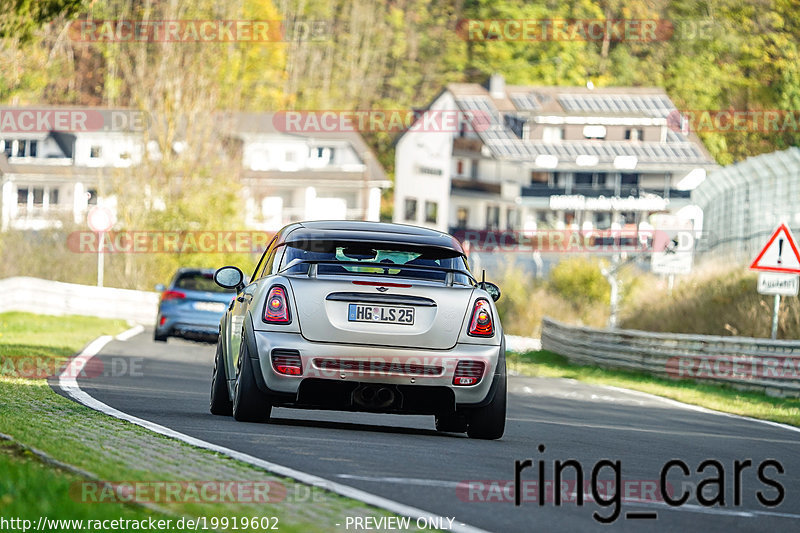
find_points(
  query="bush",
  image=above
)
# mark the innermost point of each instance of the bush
(714, 301)
(580, 281)
(525, 301)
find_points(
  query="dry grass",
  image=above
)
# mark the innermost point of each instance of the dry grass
(717, 300)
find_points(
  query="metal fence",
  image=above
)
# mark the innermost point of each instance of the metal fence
(742, 362)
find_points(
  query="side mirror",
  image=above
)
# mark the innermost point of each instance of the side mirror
(160, 287)
(491, 288)
(229, 277)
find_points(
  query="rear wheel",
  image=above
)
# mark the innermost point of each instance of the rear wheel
(220, 399)
(249, 403)
(160, 338)
(489, 422)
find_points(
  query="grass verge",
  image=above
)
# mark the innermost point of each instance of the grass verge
(711, 396)
(115, 450)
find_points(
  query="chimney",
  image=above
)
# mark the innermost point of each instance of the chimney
(497, 86)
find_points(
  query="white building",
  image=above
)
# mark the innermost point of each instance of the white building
(552, 157)
(290, 177)
(50, 176)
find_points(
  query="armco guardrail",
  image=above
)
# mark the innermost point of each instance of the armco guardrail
(56, 298)
(743, 362)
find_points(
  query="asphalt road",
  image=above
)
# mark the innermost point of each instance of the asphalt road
(403, 458)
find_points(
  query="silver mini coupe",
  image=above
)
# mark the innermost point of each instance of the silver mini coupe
(362, 316)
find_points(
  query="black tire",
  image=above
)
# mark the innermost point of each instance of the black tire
(489, 422)
(451, 423)
(160, 338)
(220, 403)
(249, 403)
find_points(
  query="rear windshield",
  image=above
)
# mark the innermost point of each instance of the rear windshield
(198, 281)
(370, 258)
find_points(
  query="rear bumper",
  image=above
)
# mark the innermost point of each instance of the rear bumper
(189, 327)
(398, 368)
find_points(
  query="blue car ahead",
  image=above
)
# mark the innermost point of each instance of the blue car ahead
(191, 306)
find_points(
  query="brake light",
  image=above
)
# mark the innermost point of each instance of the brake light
(276, 309)
(379, 284)
(162, 321)
(468, 372)
(480, 325)
(172, 295)
(287, 362)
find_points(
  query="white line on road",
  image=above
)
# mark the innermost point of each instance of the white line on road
(69, 384)
(125, 335)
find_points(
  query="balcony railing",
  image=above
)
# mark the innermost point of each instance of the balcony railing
(542, 190)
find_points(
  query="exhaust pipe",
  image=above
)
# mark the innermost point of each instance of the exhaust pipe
(368, 394)
(373, 396)
(384, 397)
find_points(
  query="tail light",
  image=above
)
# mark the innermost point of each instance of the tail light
(162, 320)
(480, 325)
(468, 372)
(172, 295)
(287, 362)
(276, 308)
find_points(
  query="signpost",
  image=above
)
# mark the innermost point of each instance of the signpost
(673, 246)
(779, 266)
(100, 219)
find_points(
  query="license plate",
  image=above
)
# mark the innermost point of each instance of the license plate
(381, 314)
(209, 306)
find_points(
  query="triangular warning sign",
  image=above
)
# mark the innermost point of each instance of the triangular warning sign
(780, 254)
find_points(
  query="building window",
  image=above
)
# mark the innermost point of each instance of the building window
(460, 167)
(32, 145)
(125, 156)
(540, 177)
(7, 147)
(411, 209)
(492, 217)
(21, 148)
(474, 169)
(22, 196)
(38, 196)
(629, 179)
(91, 196)
(511, 219)
(552, 134)
(431, 212)
(634, 134)
(322, 152)
(462, 216)
(95, 151)
(53, 196)
(288, 157)
(583, 178)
